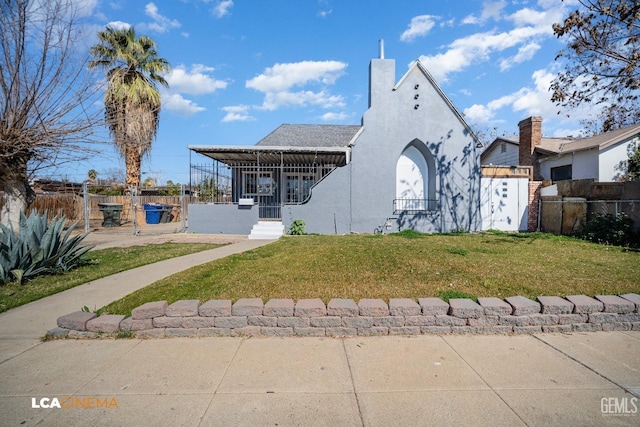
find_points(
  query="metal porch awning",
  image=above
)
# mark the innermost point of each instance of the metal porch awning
(265, 155)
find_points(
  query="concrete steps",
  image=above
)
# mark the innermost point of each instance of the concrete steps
(267, 230)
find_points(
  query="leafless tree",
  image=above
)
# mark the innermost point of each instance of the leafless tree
(49, 108)
(602, 60)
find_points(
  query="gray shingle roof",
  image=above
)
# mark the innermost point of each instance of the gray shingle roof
(602, 140)
(288, 135)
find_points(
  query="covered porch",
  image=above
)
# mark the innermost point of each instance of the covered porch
(262, 179)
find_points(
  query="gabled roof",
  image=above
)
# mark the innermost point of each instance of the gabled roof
(550, 145)
(601, 141)
(420, 66)
(318, 136)
(500, 139)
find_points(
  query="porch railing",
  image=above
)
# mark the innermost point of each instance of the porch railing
(414, 205)
(270, 212)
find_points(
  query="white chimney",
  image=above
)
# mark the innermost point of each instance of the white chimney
(381, 41)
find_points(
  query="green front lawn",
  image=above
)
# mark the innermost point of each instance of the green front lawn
(99, 263)
(406, 265)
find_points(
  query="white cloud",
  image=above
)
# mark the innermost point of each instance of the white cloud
(178, 105)
(490, 10)
(532, 100)
(118, 25)
(478, 114)
(448, 23)
(334, 117)
(419, 27)
(325, 13)
(537, 100)
(525, 53)
(529, 27)
(222, 8)
(282, 77)
(277, 83)
(194, 81)
(275, 100)
(161, 23)
(237, 113)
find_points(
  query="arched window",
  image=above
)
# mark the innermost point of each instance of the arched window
(414, 180)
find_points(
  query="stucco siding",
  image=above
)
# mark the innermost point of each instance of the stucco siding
(222, 219)
(584, 164)
(390, 127)
(327, 211)
(613, 160)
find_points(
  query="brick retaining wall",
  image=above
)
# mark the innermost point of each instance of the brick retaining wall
(343, 317)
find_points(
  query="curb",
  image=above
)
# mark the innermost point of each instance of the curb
(369, 317)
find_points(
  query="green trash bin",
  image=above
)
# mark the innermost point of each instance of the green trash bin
(111, 214)
(153, 212)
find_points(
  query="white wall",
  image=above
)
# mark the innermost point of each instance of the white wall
(504, 203)
(585, 164)
(611, 157)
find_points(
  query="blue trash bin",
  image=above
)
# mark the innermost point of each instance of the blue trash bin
(152, 212)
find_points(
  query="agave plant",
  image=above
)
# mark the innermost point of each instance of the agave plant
(38, 248)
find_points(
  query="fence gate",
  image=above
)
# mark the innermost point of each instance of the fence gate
(504, 203)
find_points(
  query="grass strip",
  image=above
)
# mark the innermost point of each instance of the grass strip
(98, 263)
(407, 265)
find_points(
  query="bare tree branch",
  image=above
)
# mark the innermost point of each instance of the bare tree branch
(48, 104)
(602, 60)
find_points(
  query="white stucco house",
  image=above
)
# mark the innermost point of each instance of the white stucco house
(412, 163)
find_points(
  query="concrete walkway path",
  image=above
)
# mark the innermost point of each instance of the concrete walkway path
(525, 380)
(22, 327)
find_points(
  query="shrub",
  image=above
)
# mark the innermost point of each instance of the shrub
(610, 229)
(297, 228)
(38, 248)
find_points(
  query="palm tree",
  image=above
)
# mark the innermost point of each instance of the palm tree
(132, 101)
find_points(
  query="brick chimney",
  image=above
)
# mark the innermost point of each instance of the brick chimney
(530, 137)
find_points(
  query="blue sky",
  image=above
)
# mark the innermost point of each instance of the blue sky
(243, 67)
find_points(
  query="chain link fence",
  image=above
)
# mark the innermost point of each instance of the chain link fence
(126, 214)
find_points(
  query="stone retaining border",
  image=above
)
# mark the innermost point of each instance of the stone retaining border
(343, 317)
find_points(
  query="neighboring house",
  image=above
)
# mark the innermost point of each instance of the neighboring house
(513, 169)
(601, 157)
(412, 163)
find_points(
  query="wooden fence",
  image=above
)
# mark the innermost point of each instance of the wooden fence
(72, 206)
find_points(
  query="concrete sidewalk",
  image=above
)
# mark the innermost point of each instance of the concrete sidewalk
(545, 380)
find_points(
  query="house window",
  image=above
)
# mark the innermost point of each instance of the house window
(257, 183)
(561, 173)
(503, 147)
(298, 187)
